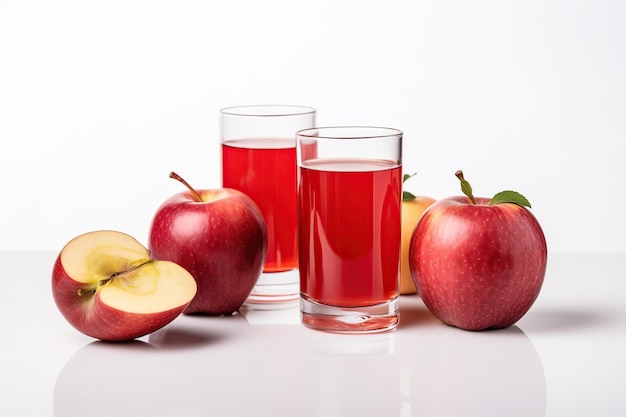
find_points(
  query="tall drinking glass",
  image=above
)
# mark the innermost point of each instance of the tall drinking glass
(259, 159)
(349, 228)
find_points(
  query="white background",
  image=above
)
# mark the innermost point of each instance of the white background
(99, 100)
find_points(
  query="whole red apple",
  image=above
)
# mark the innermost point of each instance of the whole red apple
(478, 263)
(220, 237)
(107, 286)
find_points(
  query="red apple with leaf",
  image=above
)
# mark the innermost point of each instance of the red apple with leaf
(478, 263)
(219, 236)
(106, 284)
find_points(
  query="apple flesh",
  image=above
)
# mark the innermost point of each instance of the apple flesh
(220, 237)
(478, 266)
(108, 287)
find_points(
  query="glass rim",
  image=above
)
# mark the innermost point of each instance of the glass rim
(267, 110)
(374, 132)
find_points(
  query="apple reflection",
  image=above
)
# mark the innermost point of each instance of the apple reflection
(196, 366)
(114, 379)
(489, 373)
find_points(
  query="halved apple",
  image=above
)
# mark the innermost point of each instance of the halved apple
(107, 286)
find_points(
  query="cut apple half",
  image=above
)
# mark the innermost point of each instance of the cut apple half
(108, 286)
(120, 270)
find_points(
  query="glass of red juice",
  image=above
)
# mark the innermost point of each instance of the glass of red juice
(259, 158)
(349, 203)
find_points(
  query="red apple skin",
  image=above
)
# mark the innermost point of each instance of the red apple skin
(478, 267)
(90, 316)
(221, 241)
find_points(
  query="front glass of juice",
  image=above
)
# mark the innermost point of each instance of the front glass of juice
(349, 228)
(259, 159)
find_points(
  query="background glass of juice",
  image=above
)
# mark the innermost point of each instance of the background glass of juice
(259, 159)
(349, 227)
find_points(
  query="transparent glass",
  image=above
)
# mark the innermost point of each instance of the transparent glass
(349, 198)
(259, 159)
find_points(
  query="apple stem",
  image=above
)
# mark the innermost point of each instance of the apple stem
(83, 291)
(465, 186)
(195, 194)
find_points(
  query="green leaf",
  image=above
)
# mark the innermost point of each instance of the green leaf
(407, 176)
(510, 197)
(407, 196)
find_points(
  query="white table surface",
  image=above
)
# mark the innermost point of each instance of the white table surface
(566, 357)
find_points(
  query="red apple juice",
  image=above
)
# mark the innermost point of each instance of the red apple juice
(265, 170)
(349, 231)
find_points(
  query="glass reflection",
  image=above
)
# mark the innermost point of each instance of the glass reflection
(271, 313)
(349, 375)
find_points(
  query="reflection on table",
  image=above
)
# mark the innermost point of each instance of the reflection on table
(264, 363)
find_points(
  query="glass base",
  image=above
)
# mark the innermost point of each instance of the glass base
(376, 318)
(276, 288)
